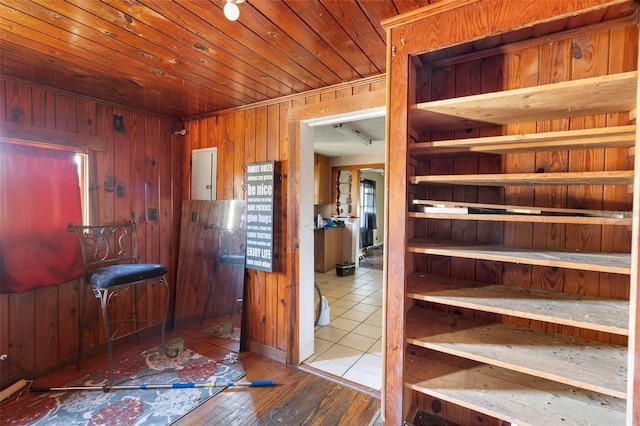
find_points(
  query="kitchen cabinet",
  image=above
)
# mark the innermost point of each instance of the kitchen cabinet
(327, 248)
(322, 176)
(512, 247)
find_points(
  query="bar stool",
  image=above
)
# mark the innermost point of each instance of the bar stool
(110, 265)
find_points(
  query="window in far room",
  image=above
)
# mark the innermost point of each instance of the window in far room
(368, 221)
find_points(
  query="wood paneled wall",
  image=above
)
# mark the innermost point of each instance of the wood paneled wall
(140, 170)
(261, 133)
(148, 167)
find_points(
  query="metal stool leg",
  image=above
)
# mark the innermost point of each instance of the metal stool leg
(105, 296)
(161, 281)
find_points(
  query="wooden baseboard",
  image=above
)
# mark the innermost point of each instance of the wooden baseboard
(266, 351)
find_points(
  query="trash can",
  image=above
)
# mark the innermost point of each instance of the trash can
(324, 313)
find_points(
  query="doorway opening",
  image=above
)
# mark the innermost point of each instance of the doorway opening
(350, 346)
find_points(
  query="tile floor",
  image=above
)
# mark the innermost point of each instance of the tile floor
(351, 345)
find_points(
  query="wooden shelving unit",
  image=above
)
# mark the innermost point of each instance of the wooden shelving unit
(534, 331)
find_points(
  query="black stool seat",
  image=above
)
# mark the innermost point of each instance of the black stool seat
(115, 275)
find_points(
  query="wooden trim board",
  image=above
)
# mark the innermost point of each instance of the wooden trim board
(55, 138)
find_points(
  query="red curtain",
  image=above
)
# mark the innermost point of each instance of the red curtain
(39, 195)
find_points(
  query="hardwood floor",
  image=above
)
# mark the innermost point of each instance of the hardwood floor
(299, 398)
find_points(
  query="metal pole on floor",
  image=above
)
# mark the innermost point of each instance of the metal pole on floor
(181, 385)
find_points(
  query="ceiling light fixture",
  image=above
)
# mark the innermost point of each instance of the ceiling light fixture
(231, 10)
(353, 133)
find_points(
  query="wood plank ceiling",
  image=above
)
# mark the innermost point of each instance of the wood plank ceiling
(184, 58)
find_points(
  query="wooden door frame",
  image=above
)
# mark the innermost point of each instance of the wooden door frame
(296, 117)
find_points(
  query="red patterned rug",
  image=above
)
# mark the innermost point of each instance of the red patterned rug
(126, 407)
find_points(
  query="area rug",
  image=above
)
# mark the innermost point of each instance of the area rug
(224, 330)
(127, 407)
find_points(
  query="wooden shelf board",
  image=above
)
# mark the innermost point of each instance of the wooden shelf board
(575, 98)
(617, 263)
(511, 396)
(605, 137)
(532, 210)
(620, 177)
(576, 220)
(587, 364)
(574, 310)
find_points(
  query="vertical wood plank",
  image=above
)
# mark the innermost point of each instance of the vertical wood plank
(3, 101)
(167, 222)
(66, 113)
(393, 388)
(9, 369)
(22, 329)
(589, 60)
(288, 211)
(521, 71)
(227, 167)
(555, 66)
(492, 80)
(271, 279)
(47, 329)
(39, 107)
(18, 103)
(151, 200)
(102, 186)
(123, 211)
(468, 81)
(239, 156)
(223, 155)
